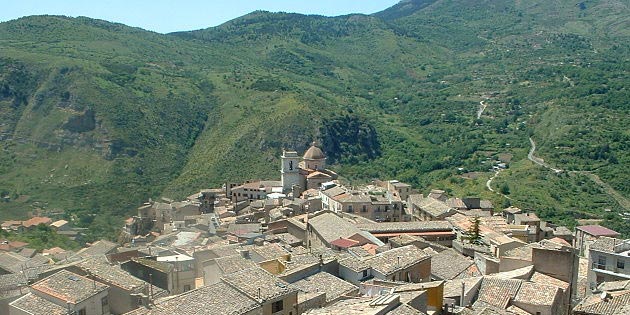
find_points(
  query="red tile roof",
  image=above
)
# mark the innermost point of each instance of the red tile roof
(36, 221)
(597, 230)
(344, 243)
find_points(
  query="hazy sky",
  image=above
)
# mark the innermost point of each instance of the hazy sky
(169, 16)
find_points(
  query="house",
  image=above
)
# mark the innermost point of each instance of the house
(585, 235)
(12, 225)
(509, 213)
(371, 202)
(35, 221)
(429, 208)
(174, 273)
(450, 264)
(126, 292)
(440, 232)
(60, 225)
(497, 292)
(218, 298)
(386, 304)
(536, 298)
(64, 292)
(216, 268)
(406, 264)
(274, 295)
(12, 286)
(326, 227)
(312, 287)
(608, 260)
(532, 222)
(98, 248)
(614, 303)
(454, 289)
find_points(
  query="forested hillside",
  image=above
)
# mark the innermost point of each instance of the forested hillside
(96, 117)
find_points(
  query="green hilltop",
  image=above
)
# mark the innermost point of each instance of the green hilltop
(96, 117)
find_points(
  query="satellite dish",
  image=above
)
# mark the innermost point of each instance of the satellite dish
(604, 296)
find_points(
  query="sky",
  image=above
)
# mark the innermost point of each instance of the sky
(164, 16)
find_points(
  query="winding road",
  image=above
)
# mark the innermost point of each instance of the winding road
(538, 160)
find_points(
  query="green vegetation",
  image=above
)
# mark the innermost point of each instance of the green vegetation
(96, 117)
(41, 237)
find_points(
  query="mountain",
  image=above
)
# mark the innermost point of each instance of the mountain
(96, 117)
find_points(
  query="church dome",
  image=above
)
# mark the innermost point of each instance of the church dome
(314, 153)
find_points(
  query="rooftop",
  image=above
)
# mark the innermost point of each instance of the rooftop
(396, 259)
(430, 205)
(331, 227)
(314, 153)
(344, 243)
(334, 287)
(422, 226)
(356, 306)
(234, 263)
(597, 230)
(36, 221)
(219, 298)
(101, 247)
(258, 284)
(537, 294)
(542, 278)
(606, 244)
(615, 304)
(497, 292)
(35, 305)
(405, 309)
(69, 286)
(112, 275)
(448, 264)
(354, 264)
(153, 264)
(269, 251)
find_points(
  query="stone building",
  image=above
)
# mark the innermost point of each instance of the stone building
(298, 176)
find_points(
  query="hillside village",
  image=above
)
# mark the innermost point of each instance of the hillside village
(308, 244)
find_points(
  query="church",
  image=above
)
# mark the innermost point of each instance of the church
(309, 173)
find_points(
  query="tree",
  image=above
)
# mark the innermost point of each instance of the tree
(474, 235)
(505, 189)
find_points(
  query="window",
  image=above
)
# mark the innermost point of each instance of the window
(349, 208)
(365, 273)
(364, 208)
(104, 301)
(81, 312)
(601, 262)
(621, 264)
(186, 287)
(277, 306)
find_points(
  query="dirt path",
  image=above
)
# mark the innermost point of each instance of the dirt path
(621, 200)
(489, 184)
(482, 107)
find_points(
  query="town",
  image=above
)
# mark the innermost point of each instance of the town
(308, 244)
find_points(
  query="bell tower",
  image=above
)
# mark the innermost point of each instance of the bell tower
(289, 170)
